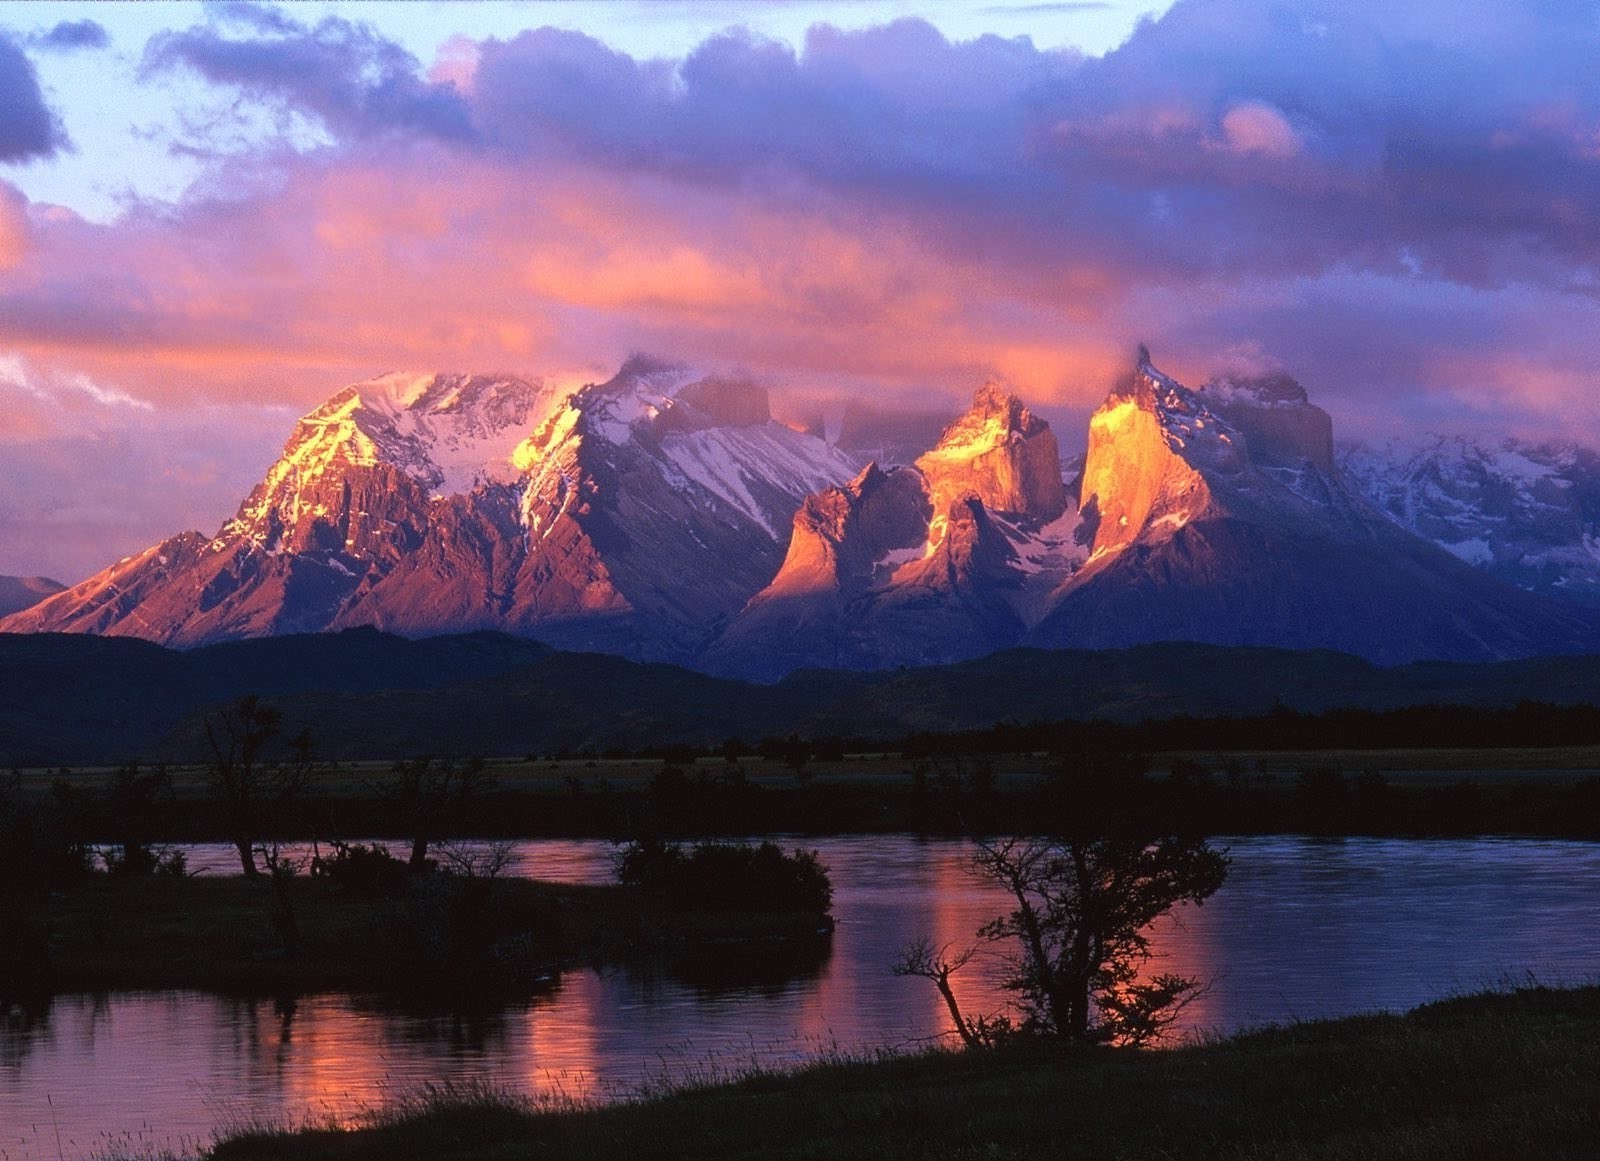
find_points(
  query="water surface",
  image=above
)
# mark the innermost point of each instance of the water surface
(1303, 928)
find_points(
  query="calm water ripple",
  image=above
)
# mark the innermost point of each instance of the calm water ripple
(1303, 928)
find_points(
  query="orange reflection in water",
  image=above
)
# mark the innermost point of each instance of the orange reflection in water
(561, 1056)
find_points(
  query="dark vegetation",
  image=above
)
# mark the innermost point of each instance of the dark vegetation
(936, 785)
(365, 920)
(69, 699)
(445, 920)
(1476, 1079)
(727, 876)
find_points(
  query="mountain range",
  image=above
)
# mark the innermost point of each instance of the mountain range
(667, 516)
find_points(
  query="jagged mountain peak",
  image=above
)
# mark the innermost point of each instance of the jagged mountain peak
(1000, 453)
(639, 392)
(996, 417)
(1280, 424)
(1162, 455)
(629, 515)
(447, 432)
(1147, 445)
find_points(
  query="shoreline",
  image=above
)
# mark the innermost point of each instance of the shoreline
(1487, 1075)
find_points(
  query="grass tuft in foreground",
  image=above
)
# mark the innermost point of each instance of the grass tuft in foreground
(1482, 1077)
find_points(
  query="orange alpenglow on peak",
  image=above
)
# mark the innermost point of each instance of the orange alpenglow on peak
(1001, 453)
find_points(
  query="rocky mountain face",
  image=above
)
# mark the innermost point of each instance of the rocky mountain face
(1527, 513)
(931, 562)
(22, 592)
(667, 516)
(1219, 515)
(627, 517)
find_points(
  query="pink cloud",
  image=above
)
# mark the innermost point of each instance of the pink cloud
(1256, 128)
(14, 228)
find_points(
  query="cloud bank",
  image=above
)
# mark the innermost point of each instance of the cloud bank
(1400, 204)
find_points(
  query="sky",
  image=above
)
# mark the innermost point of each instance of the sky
(214, 216)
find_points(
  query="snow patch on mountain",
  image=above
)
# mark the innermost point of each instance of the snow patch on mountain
(1526, 512)
(740, 465)
(640, 392)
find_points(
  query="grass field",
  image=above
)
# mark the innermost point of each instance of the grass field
(1558, 765)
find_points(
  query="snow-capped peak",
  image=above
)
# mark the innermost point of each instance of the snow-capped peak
(449, 432)
(1190, 426)
(1526, 512)
(639, 392)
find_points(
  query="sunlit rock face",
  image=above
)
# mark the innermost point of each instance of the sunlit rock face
(845, 541)
(1220, 516)
(1000, 453)
(1137, 478)
(628, 516)
(917, 565)
(664, 515)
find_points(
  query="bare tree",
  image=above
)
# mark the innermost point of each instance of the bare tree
(1080, 924)
(249, 784)
(938, 965)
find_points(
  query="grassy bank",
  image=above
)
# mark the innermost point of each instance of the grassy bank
(226, 933)
(1550, 792)
(1495, 1076)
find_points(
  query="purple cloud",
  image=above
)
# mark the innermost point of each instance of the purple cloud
(1228, 138)
(28, 129)
(358, 83)
(73, 34)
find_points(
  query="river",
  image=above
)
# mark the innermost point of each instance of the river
(1303, 928)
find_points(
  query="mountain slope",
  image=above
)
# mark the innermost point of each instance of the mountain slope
(1219, 516)
(627, 517)
(22, 592)
(1524, 512)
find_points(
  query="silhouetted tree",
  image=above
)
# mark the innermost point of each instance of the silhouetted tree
(1082, 907)
(1082, 901)
(135, 795)
(432, 793)
(248, 785)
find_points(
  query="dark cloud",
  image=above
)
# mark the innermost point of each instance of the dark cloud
(1399, 202)
(358, 83)
(73, 34)
(28, 129)
(1229, 137)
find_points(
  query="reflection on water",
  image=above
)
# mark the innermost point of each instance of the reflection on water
(1302, 928)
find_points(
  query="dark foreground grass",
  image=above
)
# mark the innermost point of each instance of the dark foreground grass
(1498, 1076)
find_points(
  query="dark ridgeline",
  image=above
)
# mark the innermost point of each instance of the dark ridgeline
(78, 699)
